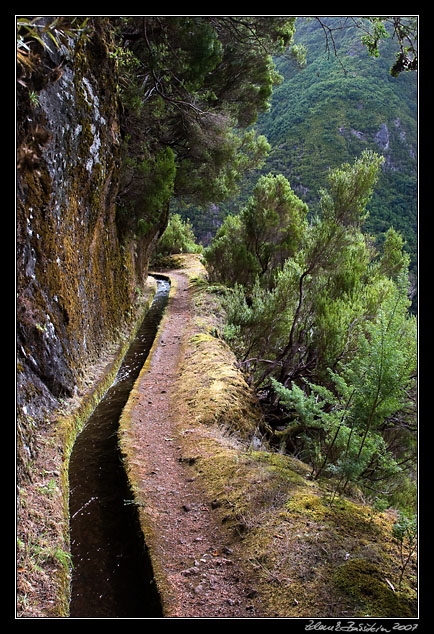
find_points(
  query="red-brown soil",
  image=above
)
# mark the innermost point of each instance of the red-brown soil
(193, 561)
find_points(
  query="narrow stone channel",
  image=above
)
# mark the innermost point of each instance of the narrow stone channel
(112, 574)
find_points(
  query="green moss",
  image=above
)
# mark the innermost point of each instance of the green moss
(283, 466)
(365, 583)
(354, 518)
(201, 337)
(307, 503)
(300, 551)
(213, 388)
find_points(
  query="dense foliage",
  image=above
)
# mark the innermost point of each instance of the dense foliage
(256, 243)
(177, 238)
(326, 336)
(190, 87)
(332, 110)
(317, 307)
(340, 103)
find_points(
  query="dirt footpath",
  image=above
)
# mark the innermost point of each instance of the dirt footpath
(195, 568)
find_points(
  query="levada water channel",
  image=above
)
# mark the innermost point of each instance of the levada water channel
(112, 574)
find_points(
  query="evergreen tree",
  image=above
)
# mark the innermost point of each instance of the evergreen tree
(269, 230)
(177, 238)
(333, 243)
(368, 389)
(328, 339)
(193, 85)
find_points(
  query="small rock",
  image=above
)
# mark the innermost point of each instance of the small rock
(221, 561)
(189, 572)
(186, 508)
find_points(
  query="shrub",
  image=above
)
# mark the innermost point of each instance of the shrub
(177, 238)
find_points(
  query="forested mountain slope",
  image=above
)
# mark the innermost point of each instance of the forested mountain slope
(121, 117)
(311, 259)
(332, 110)
(327, 113)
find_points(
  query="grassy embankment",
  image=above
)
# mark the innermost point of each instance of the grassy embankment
(307, 556)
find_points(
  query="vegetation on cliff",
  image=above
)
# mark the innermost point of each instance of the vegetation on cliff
(326, 336)
(335, 108)
(117, 118)
(309, 551)
(341, 102)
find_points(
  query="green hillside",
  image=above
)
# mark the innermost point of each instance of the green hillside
(334, 108)
(327, 113)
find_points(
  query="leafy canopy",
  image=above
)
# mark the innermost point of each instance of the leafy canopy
(324, 333)
(268, 230)
(194, 84)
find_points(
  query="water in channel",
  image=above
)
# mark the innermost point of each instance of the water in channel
(112, 574)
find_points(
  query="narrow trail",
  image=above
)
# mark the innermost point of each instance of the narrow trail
(200, 574)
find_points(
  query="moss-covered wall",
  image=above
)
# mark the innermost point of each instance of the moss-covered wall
(76, 281)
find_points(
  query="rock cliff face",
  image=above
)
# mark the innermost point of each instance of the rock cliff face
(76, 280)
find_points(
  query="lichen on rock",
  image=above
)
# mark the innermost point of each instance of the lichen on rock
(77, 300)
